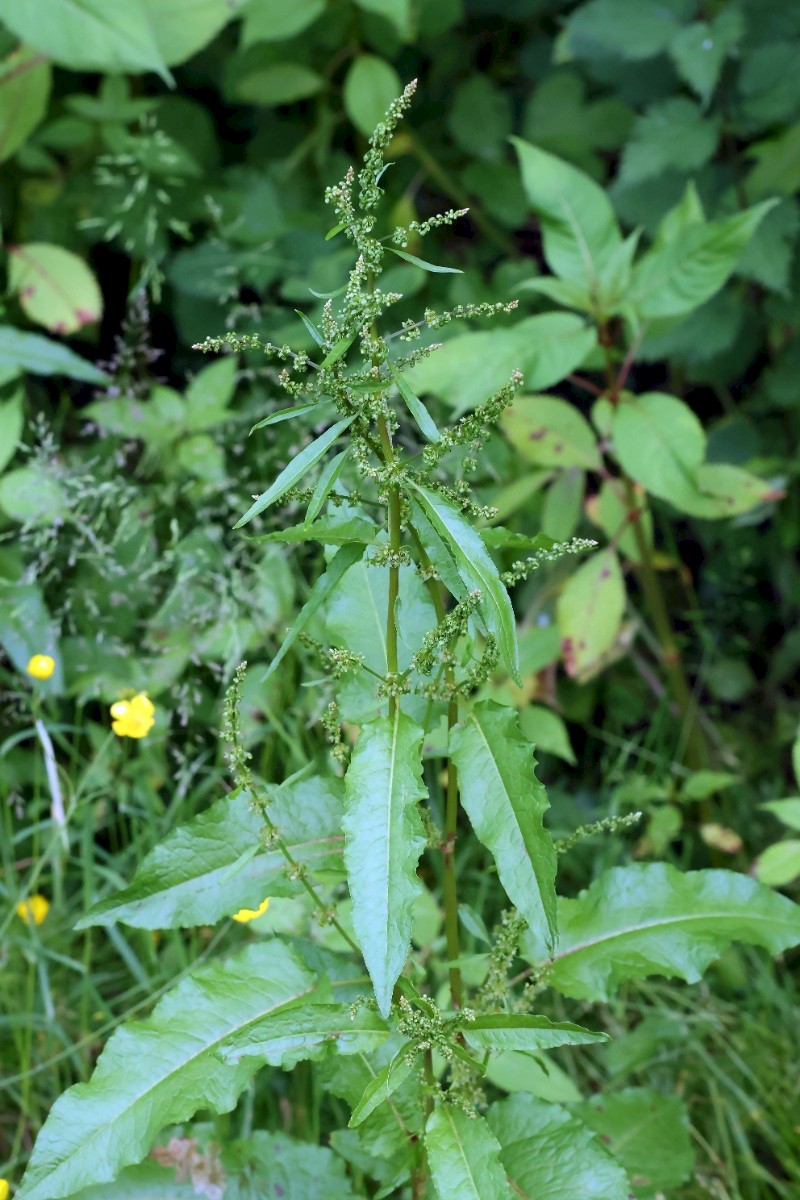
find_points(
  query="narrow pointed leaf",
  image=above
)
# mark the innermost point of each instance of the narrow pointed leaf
(342, 561)
(523, 1031)
(162, 1070)
(548, 1154)
(180, 882)
(506, 803)
(284, 414)
(311, 327)
(415, 406)
(651, 919)
(464, 1157)
(338, 350)
(380, 1088)
(476, 570)
(384, 839)
(294, 472)
(426, 266)
(325, 484)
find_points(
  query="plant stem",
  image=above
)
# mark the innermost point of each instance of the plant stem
(696, 748)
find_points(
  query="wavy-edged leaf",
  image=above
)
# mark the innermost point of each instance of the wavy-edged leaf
(160, 1071)
(464, 1156)
(506, 803)
(651, 919)
(387, 1080)
(415, 406)
(525, 1032)
(384, 839)
(476, 570)
(426, 266)
(648, 1134)
(302, 1032)
(216, 864)
(548, 1154)
(295, 470)
(342, 561)
(22, 351)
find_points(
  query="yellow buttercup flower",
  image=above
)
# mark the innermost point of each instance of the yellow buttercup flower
(32, 911)
(40, 666)
(247, 914)
(3, 1189)
(133, 718)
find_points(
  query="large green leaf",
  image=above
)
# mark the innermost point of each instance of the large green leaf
(649, 1135)
(295, 470)
(87, 35)
(672, 134)
(590, 609)
(182, 27)
(595, 28)
(470, 367)
(23, 351)
(54, 287)
(525, 1032)
(660, 443)
(464, 1156)
(551, 433)
(307, 1031)
(370, 86)
(651, 919)
(384, 839)
(216, 864)
(506, 803)
(476, 571)
(548, 1154)
(579, 227)
(25, 79)
(679, 275)
(160, 1071)
(275, 21)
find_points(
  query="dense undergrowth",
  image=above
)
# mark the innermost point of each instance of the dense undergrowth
(162, 183)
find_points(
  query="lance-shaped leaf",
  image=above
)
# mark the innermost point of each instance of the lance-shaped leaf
(384, 839)
(426, 266)
(464, 1156)
(216, 864)
(294, 472)
(476, 570)
(387, 1080)
(526, 1032)
(414, 405)
(506, 803)
(651, 919)
(550, 1155)
(325, 484)
(21, 351)
(160, 1071)
(342, 561)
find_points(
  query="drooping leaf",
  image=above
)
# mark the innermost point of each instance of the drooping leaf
(54, 287)
(296, 469)
(548, 1154)
(525, 1032)
(590, 609)
(551, 433)
(464, 1156)
(25, 79)
(470, 367)
(285, 414)
(384, 839)
(322, 589)
(182, 27)
(434, 268)
(678, 276)
(476, 570)
(387, 1080)
(160, 1071)
(651, 919)
(647, 1133)
(216, 864)
(579, 227)
(90, 36)
(370, 86)
(506, 803)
